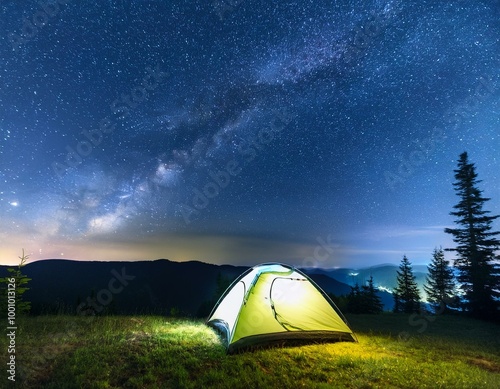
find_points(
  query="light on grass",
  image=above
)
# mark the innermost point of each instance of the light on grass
(185, 331)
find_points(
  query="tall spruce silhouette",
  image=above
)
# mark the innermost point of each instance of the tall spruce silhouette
(440, 282)
(476, 243)
(373, 300)
(406, 294)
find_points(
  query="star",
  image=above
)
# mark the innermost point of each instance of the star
(178, 124)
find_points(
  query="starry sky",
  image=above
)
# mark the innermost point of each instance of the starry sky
(317, 133)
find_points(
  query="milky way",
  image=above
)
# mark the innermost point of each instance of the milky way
(242, 131)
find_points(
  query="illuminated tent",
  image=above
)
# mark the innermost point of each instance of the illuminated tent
(276, 303)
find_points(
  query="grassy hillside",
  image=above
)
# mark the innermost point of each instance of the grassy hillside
(157, 352)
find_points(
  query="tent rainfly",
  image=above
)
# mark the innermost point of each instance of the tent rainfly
(274, 302)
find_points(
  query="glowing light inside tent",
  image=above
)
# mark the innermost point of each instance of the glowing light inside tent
(288, 292)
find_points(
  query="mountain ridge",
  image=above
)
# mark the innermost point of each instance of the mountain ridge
(158, 286)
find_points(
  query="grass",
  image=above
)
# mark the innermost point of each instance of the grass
(158, 352)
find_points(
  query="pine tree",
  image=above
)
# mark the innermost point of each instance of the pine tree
(476, 243)
(20, 282)
(373, 301)
(406, 295)
(354, 300)
(440, 282)
(364, 299)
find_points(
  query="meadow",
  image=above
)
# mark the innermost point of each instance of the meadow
(162, 352)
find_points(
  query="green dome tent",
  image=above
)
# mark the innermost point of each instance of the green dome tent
(274, 302)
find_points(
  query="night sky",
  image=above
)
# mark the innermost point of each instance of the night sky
(317, 133)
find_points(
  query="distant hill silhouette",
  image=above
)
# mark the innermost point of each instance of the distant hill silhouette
(329, 284)
(159, 286)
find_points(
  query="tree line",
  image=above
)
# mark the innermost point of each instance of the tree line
(475, 288)
(472, 284)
